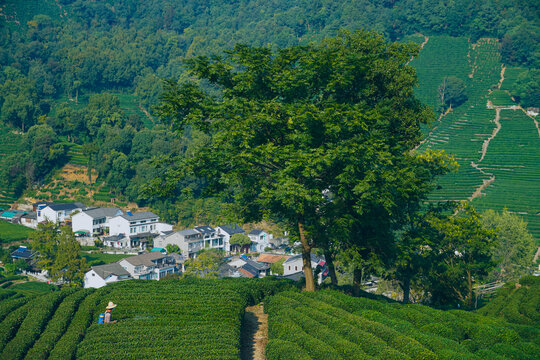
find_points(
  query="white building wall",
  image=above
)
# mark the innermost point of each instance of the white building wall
(82, 222)
(47, 214)
(160, 227)
(93, 280)
(119, 225)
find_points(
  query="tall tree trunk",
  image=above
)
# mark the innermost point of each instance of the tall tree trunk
(470, 289)
(306, 257)
(357, 281)
(331, 269)
(406, 286)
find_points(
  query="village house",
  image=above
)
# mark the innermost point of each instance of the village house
(269, 259)
(249, 268)
(99, 276)
(29, 219)
(94, 221)
(226, 231)
(191, 241)
(294, 265)
(260, 240)
(120, 241)
(152, 265)
(212, 239)
(57, 213)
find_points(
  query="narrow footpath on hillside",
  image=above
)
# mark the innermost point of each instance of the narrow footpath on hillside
(254, 336)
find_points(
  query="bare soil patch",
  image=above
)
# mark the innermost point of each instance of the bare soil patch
(254, 335)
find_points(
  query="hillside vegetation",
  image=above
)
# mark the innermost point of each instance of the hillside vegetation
(90, 71)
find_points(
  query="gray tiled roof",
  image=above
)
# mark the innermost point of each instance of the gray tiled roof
(69, 206)
(232, 229)
(187, 232)
(145, 259)
(101, 212)
(140, 216)
(314, 258)
(205, 229)
(110, 269)
(255, 232)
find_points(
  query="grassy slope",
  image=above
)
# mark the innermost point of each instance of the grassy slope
(11, 232)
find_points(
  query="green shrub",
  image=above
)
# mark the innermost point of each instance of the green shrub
(277, 349)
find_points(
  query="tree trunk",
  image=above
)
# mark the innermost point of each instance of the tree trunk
(306, 257)
(470, 289)
(331, 269)
(357, 281)
(406, 286)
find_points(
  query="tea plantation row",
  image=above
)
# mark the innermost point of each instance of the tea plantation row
(330, 325)
(169, 319)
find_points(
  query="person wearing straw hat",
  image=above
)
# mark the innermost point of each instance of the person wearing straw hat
(108, 312)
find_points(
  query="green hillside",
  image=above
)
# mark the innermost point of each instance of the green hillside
(9, 144)
(508, 173)
(331, 325)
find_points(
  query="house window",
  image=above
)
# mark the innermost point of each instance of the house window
(296, 268)
(143, 228)
(39, 213)
(132, 230)
(289, 268)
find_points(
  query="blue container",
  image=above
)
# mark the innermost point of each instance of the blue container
(101, 318)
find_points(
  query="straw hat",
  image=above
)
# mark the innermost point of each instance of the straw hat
(111, 305)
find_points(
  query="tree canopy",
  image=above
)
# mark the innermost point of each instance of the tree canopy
(308, 132)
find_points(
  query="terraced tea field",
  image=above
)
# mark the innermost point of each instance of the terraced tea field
(432, 68)
(498, 158)
(169, 319)
(330, 325)
(513, 158)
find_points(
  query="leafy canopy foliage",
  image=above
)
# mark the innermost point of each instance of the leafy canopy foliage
(60, 253)
(461, 256)
(206, 264)
(452, 92)
(306, 133)
(514, 246)
(239, 239)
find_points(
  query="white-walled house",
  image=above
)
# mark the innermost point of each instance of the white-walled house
(150, 266)
(226, 231)
(295, 265)
(101, 275)
(134, 223)
(191, 241)
(212, 238)
(261, 240)
(94, 220)
(57, 213)
(117, 241)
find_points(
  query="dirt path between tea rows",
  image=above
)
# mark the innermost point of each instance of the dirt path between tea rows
(254, 333)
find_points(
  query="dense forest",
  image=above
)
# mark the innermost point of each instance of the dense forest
(66, 65)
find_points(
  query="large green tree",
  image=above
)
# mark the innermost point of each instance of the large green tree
(60, 253)
(461, 256)
(306, 132)
(514, 246)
